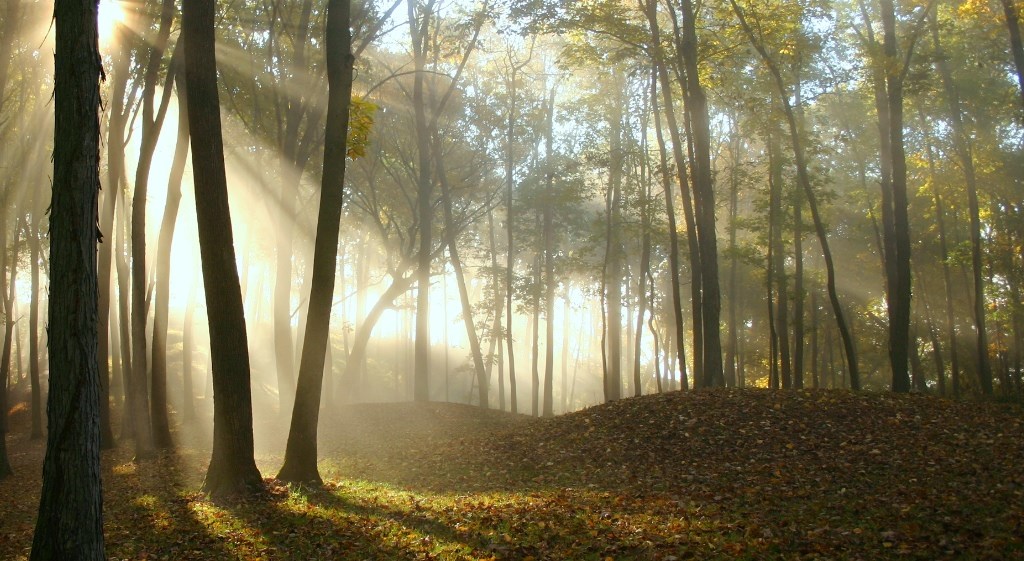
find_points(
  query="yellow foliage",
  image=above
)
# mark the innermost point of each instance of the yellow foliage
(360, 124)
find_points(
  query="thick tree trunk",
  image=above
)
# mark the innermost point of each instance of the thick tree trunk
(232, 466)
(70, 521)
(301, 452)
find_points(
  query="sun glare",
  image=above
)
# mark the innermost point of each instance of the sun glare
(111, 13)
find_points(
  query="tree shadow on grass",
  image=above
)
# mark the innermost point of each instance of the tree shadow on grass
(148, 511)
(311, 523)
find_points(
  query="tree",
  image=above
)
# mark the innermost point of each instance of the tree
(1012, 17)
(301, 452)
(70, 521)
(232, 465)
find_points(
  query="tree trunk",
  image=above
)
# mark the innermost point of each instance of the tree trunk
(398, 287)
(116, 121)
(33, 331)
(899, 312)
(124, 316)
(8, 292)
(158, 405)
(1013, 26)
(301, 452)
(188, 397)
(549, 259)
(778, 265)
(673, 256)
(613, 248)
(151, 125)
(460, 279)
(70, 521)
(803, 177)
(964, 151)
(704, 202)
(232, 466)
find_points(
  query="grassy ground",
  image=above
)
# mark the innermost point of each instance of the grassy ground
(709, 475)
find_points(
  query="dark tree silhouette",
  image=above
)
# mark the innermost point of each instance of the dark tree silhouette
(232, 467)
(70, 522)
(301, 452)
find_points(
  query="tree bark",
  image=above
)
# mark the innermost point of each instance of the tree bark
(673, 256)
(116, 121)
(704, 202)
(232, 466)
(964, 151)
(803, 177)
(33, 329)
(158, 405)
(460, 279)
(1016, 46)
(70, 521)
(301, 452)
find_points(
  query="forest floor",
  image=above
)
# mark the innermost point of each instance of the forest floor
(725, 474)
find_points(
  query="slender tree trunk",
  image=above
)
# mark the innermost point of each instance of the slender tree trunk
(673, 256)
(965, 154)
(398, 287)
(510, 217)
(292, 164)
(778, 252)
(8, 291)
(704, 201)
(460, 279)
(152, 123)
(124, 317)
(33, 332)
(613, 251)
(1016, 47)
(187, 343)
(419, 25)
(803, 177)
(549, 260)
(301, 452)
(115, 165)
(798, 293)
(158, 406)
(232, 465)
(899, 313)
(499, 299)
(70, 521)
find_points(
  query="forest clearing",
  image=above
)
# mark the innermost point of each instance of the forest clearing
(717, 474)
(632, 278)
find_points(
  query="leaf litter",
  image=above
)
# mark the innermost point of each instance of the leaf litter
(722, 474)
